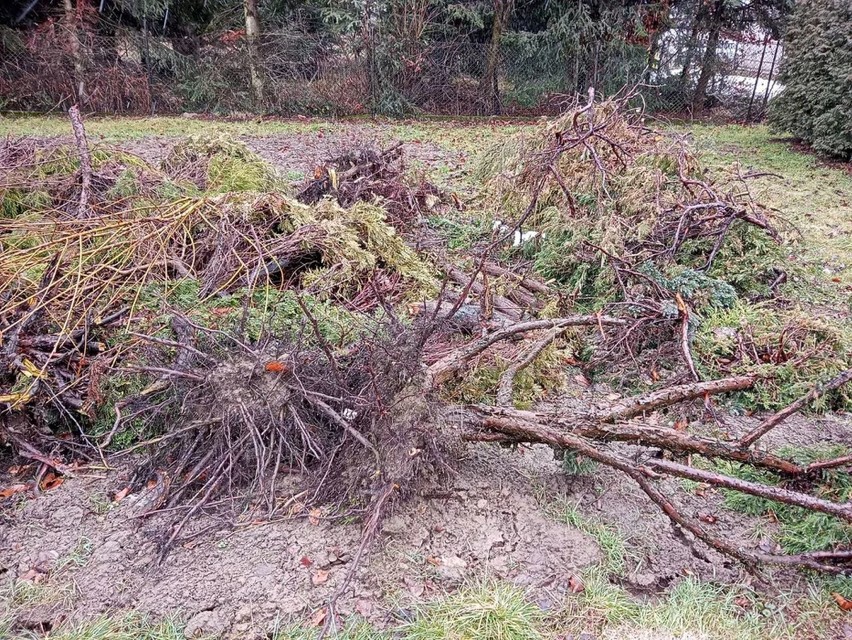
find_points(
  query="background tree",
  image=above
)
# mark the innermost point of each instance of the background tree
(502, 13)
(816, 104)
(252, 40)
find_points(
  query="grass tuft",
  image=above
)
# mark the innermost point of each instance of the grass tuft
(800, 530)
(132, 626)
(612, 544)
(484, 611)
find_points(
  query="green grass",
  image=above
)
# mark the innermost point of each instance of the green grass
(353, 630)
(814, 197)
(113, 129)
(610, 541)
(799, 530)
(494, 610)
(128, 627)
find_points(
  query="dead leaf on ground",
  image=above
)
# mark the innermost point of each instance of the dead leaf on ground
(12, 490)
(51, 481)
(276, 366)
(319, 617)
(121, 495)
(319, 577)
(314, 516)
(842, 602)
(575, 583)
(305, 561)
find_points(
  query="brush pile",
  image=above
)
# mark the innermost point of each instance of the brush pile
(152, 231)
(262, 335)
(368, 175)
(625, 219)
(624, 211)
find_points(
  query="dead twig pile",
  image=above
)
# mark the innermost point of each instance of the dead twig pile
(367, 175)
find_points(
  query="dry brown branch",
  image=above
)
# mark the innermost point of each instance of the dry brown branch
(778, 494)
(522, 431)
(444, 369)
(524, 280)
(507, 380)
(637, 405)
(501, 303)
(501, 419)
(777, 418)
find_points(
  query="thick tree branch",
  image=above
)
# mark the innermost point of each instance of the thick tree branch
(444, 369)
(637, 405)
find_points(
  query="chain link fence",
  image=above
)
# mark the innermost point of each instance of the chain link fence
(302, 73)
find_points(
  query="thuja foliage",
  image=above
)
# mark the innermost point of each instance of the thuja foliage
(816, 104)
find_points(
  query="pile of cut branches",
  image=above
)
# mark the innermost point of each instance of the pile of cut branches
(228, 411)
(365, 174)
(625, 219)
(67, 277)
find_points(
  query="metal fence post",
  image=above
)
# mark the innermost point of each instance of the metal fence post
(757, 78)
(769, 79)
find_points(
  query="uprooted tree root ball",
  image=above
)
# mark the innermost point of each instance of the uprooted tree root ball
(290, 357)
(355, 424)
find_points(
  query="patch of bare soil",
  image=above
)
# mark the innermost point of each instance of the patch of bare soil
(488, 522)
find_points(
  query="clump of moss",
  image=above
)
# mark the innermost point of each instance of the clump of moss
(479, 385)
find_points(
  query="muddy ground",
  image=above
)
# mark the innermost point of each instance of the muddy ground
(499, 516)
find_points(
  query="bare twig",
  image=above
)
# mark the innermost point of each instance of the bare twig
(507, 379)
(777, 418)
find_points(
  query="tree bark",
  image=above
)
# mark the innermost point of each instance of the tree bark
(708, 65)
(502, 11)
(252, 39)
(692, 43)
(83, 208)
(75, 48)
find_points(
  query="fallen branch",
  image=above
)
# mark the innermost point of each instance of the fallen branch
(637, 405)
(778, 494)
(520, 431)
(445, 368)
(507, 380)
(501, 304)
(777, 418)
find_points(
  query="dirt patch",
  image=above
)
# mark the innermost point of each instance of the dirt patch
(488, 522)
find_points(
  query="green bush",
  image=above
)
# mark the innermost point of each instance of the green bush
(816, 104)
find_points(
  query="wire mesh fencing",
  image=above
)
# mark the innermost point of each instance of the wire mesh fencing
(291, 72)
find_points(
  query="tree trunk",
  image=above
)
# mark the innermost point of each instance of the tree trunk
(76, 51)
(252, 38)
(708, 65)
(502, 11)
(691, 44)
